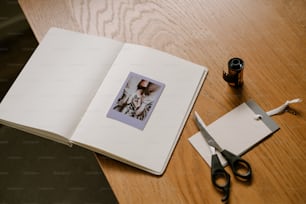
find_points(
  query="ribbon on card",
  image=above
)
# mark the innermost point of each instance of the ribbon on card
(279, 109)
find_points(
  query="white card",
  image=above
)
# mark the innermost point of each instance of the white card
(237, 131)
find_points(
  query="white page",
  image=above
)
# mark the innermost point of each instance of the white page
(58, 82)
(150, 148)
(237, 131)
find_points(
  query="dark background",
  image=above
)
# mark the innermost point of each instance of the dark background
(32, 169)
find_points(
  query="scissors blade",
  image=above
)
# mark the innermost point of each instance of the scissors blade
(209, 139)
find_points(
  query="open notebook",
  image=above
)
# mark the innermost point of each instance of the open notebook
(126, 101)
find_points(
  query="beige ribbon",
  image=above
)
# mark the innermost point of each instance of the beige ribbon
(279, 109)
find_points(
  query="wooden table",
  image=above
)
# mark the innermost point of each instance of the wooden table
(270, 36)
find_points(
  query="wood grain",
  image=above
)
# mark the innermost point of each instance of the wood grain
(268, 35)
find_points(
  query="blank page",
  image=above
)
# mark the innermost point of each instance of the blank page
(58, 82)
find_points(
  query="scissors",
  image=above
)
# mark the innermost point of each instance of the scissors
(220, 178)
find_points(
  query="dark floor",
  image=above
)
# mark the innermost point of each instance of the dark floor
(32, 169)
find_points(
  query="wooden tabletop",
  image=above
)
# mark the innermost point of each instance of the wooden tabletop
(270, 36)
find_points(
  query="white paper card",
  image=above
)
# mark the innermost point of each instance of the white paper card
(237, 131)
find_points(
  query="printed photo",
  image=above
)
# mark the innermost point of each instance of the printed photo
(136, 100)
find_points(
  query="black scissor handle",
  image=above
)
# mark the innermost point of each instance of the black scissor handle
(239, 166)
(220, 178)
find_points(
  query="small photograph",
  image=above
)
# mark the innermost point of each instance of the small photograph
(136, 100)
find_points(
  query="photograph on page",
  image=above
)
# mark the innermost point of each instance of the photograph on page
(136, 100)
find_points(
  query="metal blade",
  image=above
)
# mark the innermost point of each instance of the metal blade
(209, 139)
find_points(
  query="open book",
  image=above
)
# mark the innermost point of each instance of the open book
(125, 101)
